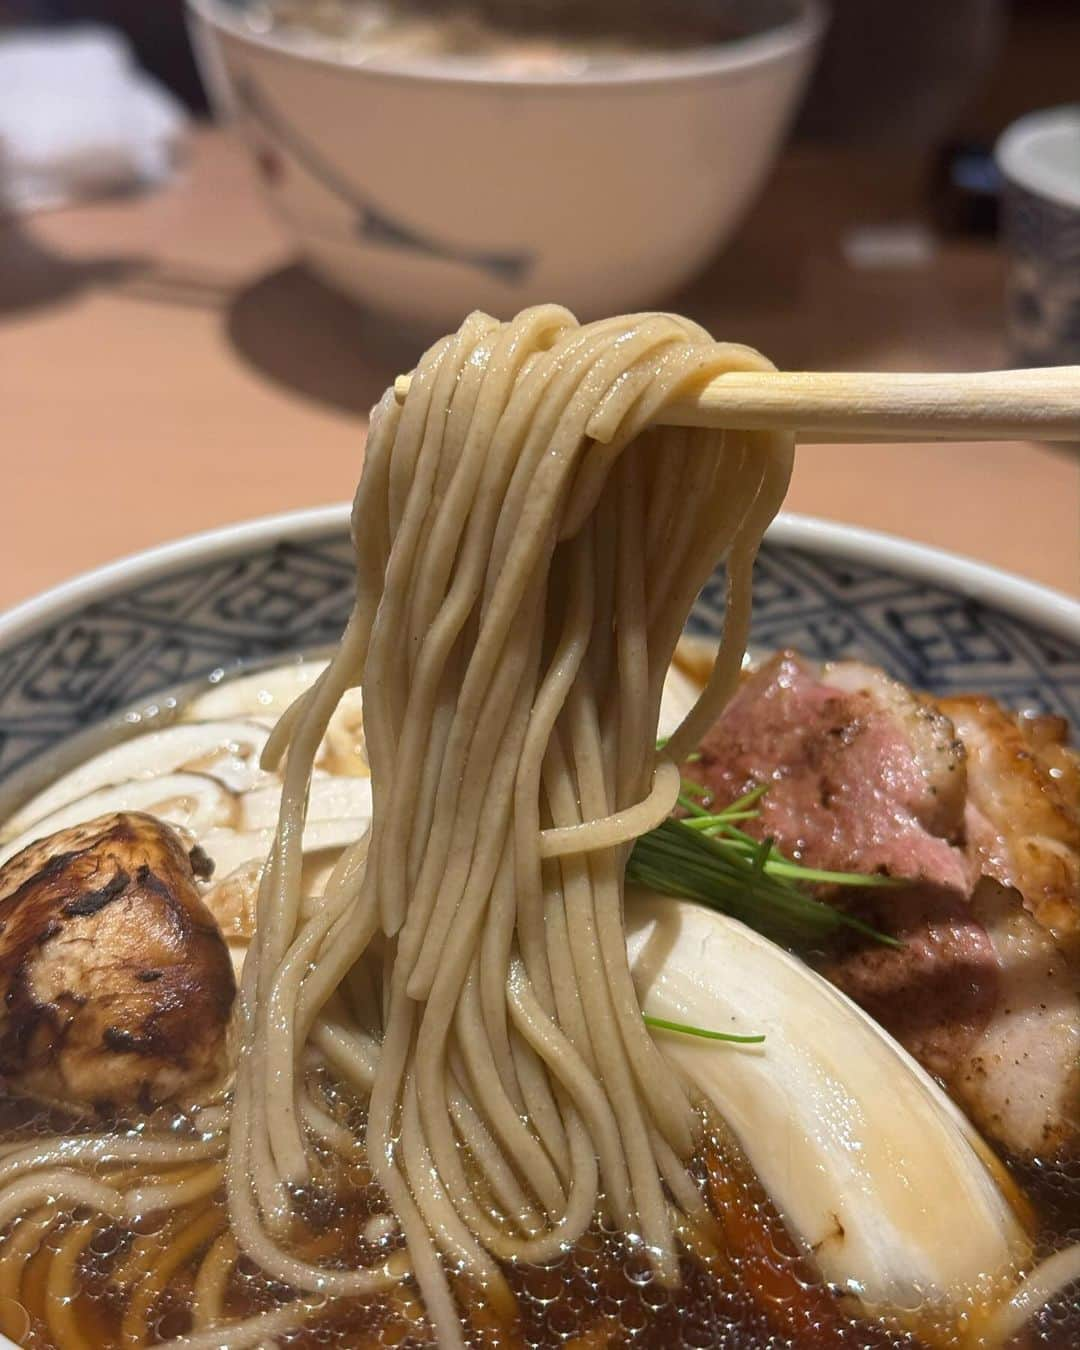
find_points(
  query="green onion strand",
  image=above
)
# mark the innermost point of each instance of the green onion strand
(662, 1024)
(745, 878)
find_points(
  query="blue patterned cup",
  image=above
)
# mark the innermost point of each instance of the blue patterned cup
(1039, 158)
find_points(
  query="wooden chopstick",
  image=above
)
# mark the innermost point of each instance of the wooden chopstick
(838, 406)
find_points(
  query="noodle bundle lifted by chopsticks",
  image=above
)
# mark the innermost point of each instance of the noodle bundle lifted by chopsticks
(528, 547)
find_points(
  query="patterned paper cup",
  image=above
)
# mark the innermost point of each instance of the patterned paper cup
(1039, 157)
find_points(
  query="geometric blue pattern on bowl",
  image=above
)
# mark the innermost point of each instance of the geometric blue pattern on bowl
(284, 596)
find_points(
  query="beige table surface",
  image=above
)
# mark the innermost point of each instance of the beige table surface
(165, 367)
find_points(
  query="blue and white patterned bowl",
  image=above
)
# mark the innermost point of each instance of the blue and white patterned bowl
(283, 585)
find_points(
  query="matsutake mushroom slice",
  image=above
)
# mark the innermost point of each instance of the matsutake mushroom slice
(329, 799)
(229, 849)
(263, 693)
(116, 983)
(228, 750)
(343, 750)
(190, 801)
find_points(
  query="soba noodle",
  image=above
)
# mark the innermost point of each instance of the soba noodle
(528, 545)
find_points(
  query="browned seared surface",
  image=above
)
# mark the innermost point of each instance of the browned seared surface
(1021, 1080)
(117, 985)
(937, 993)
(865, 776)
(1023, 807)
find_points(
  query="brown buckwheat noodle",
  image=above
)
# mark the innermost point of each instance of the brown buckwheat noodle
(528, 545)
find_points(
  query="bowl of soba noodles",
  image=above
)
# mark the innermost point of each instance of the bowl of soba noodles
(556, 901)
(430, 157)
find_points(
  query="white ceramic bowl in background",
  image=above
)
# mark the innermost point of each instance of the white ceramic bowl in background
(1039, 159)
(429, 188)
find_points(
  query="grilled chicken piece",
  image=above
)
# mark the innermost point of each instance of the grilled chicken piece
(117, 984)
(863, 776)
(983, 998)
(937, 993)
(1023, 808)
(1021, 1080)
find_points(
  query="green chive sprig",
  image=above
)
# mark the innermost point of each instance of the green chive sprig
(685, 1029)
(707, 858)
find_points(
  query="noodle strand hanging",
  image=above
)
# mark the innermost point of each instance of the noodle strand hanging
(528, 547)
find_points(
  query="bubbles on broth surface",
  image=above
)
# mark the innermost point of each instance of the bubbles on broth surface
(743, 1283)
(1054, 1190)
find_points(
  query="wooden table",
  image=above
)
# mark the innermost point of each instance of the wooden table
(165, 367)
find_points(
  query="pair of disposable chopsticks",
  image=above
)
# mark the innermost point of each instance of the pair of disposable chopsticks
(834, 406)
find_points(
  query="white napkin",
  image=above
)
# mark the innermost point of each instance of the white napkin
(78, 119)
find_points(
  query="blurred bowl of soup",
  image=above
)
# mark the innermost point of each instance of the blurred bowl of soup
(432, 163)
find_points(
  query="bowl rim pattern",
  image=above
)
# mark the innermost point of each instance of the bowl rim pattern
(1037, 605)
